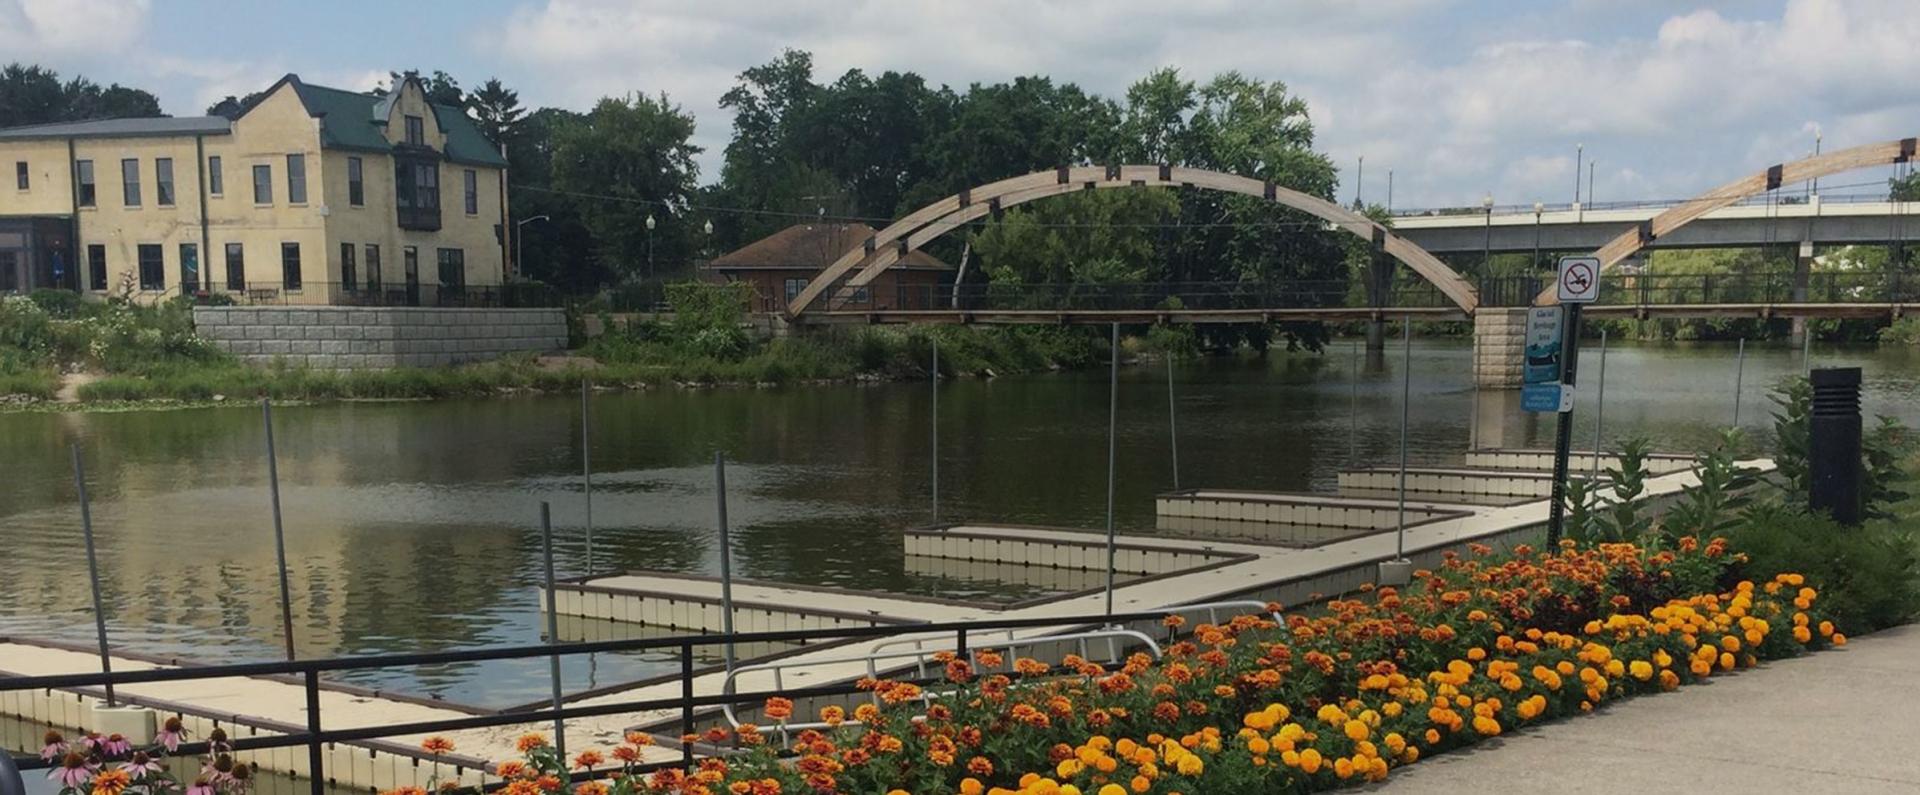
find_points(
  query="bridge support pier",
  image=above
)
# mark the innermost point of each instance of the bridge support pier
(1802, 273)
(1499, 339)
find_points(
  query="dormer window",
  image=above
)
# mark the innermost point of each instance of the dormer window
(416, 131)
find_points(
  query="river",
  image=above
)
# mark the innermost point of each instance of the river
(414, 526)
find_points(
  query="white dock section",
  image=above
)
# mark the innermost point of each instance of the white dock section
(1303, 510)
(1059, 548)
(1452, 480)
(1256, 572)
(1577, 461)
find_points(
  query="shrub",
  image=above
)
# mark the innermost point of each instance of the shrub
(1882, 448)
(1871, 572)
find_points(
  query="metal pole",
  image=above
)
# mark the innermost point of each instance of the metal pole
(1563, 430)
(1113, 416)
(279, 532)
(553, 625)
(726, 554)
(1739, 376)
(1353, 410)
(93, 568)
(1406, 412)
(1599, 408)
(935, 389)
(586, 465)
(1806, 350)
(1173, 424)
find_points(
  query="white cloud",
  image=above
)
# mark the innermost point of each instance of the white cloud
(36, 27)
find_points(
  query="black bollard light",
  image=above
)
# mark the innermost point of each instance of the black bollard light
(1833, 444)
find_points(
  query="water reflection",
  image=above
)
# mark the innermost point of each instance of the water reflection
(413, 526)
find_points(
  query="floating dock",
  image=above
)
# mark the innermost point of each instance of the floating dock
(1164, 572)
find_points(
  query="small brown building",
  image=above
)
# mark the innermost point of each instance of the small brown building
(780, 265)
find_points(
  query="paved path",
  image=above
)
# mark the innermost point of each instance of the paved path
(1834, 722)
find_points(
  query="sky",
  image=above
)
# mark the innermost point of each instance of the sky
(1459, 99)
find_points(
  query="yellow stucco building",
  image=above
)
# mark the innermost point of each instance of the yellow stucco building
(312, 196)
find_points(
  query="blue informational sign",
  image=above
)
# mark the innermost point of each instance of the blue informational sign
(1541, 389)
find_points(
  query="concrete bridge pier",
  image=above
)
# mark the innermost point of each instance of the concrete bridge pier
(1802, 273)
(1379, 290)
(1499, 340)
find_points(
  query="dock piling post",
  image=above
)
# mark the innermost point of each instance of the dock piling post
(935, 422)
(1599, 411)
(586, 466)
(279, 530)
(1739, 376)
(93, 569)
(686, 704)
(726, 555)
(1399, 570)
(1173, 423)
(1113, 416)
(553, 625)
(1353, 411)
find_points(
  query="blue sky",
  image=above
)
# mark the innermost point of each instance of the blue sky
(1460, 98)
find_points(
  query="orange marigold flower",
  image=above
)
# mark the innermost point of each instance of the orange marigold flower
(980, 766)
(778, 709)
(588, 758)
(437, 745)
(530, 741)
(512, 768)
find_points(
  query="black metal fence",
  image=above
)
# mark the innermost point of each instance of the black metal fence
(1649, 289)
(489, 296)
(1202, 296)
(316, 736)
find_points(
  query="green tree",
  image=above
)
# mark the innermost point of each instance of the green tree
(233, 107)
(626, 160)
(31, 94)
(496, 110)
(440, 87)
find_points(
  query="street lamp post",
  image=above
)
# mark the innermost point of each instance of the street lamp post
(1579, 153)
(650, 225)
(1537, 209)
(1486, 254)
(519, 264)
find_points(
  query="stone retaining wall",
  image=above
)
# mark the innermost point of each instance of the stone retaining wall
(1499, 340)
(343, 337)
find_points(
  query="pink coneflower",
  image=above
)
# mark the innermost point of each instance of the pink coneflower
(141, 766)
(115, 745)
(201, 786)
(72, 772)
(55, 745)
(91, 741)
(171, 733)
(220, 771)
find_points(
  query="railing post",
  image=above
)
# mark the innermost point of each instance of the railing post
(960, 643)
(316, 780)
(686, 704)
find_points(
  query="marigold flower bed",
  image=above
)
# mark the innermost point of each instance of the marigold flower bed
(1483, 645)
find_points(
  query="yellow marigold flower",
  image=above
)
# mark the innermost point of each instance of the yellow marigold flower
(1641, 670)
(1141, 784)
(1343, 767)
(1310, 760)
(1839, 639)
(1190, 765)
(971, 786)
(1357, 730)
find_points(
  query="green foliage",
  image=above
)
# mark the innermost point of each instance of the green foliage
(635, 158)
(708, 318)
(1714, 505)
(1871, 573)
(1905, 331)
(30, 94)
(1621, 518)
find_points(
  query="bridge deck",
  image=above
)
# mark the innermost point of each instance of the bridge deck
(1068, 317)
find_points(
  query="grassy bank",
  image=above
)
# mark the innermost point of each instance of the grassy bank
(619, 362)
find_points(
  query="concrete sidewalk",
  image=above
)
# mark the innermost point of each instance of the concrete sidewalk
(1838, 721)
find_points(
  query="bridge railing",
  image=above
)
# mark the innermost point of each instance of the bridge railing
(1663, 289)
(1197, 296)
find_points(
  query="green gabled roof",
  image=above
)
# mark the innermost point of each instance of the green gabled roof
(353, 120)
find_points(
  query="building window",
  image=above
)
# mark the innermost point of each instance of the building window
(348, 279)
(861, 295)
(20, 175)
(85, 168)
(453, 268)
(263, 184)
(416, 187)
(236, 267)
(97, 266)
(356, 186)
(216, 184)
(471, 186)
(290, 265)
(163, 181)
(297, 179)
(189, 268)
(153, 267)
(416, 131)
(373, 267)
(130, 181)
(794, 286)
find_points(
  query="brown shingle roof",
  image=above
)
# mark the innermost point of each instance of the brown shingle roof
(811, 247)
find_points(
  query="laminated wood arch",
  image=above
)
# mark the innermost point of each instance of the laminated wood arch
(1642, 235)
(916, 229)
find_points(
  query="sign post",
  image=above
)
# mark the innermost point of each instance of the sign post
(1578, 285)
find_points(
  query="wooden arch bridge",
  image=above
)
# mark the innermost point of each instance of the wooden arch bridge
(1442, 293)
